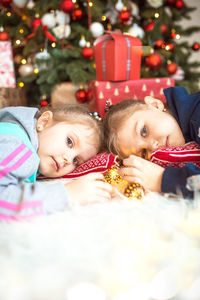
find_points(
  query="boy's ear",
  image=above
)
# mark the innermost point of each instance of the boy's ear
(154, 102)
(44, 120)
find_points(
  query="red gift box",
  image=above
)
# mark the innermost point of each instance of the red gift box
(99, 92)
(117, 57)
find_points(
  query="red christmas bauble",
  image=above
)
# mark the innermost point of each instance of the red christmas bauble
(170, 2)
(77, 14)
(88, 52)
(159, 44)
(179, 4)
(164, 28)
(67, 6)
(196, 46)
(124, 16)
(4, 36)
(169, 46)
(81, 95)
(153, 61)
(44, 102)
(171, 68)
(149, 26)
(36, 23)
(6, 3)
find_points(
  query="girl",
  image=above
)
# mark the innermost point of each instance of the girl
(143, 127)
(53, 142)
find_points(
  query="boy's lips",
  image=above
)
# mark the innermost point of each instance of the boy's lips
(56, 164)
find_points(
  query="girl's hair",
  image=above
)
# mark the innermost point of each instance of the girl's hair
(115, 118)
(75, 113)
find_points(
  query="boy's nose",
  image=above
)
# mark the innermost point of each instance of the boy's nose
(67, 159)
(154, 145)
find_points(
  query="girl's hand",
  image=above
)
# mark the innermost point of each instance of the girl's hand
(90, 188)
(137, 169)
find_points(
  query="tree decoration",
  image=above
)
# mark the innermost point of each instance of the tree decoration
(6, 3)
(88, 52)
(20, 3)
(82, 42)
(124, 16)
(62, 31)
(159, 44)
(49, 20)
(97, 29)
(153, 61)
(136, 31)
(169, 46)
(155, 3)
(196, 46)
(81, 95)
(179, 74)
(179, 4)
(61, 17)
(149, 26)
(4, 36)
(77, 14)
(43, 60)
(119, 5)
(36, 23)
(170, 2)
(164, 28)
(171, 68)
(67, 6)
(25, 70)
(44, 101)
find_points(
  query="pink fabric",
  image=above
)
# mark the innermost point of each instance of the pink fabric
(18, 207)
(12, 155)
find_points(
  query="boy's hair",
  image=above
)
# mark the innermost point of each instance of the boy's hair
(75, 113)
(115, 118)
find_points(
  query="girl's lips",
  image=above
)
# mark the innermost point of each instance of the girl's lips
(57, 167)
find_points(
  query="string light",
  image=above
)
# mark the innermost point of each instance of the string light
(53, 45)
(8, 14)
(178, 36)
(37, 15)
(21, 30)
(74, 1)
(157, 15)
(23, 61)
(20, 84)
(103, 18)
(90, 4)
(36, 71)
(18, 42)
(24, 17)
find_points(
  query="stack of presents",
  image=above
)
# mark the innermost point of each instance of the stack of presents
(118, 61)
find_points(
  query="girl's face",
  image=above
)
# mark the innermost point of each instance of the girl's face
(62, 147)
(147, 130)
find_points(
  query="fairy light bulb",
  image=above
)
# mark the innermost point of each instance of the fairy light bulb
(156, 15)
(36, 70)
(53, 45)
(90, 4)
(17, 42)
(82, 42)
(21, 84)
(23, 61)
(8, 14)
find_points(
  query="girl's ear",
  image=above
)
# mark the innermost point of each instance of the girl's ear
(44, 120)
(154, 102)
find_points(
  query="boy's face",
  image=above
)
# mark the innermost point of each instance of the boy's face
(63, 147)
(147, 130)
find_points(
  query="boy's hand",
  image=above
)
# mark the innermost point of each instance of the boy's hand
(90, 188)
(137, 169)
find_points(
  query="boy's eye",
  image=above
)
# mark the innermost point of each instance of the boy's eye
(69, 142)
(76, 161)
(144, 131)
(144, 153)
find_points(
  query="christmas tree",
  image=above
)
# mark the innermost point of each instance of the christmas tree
(53, 40)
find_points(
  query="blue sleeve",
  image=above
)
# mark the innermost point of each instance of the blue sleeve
(174, 180)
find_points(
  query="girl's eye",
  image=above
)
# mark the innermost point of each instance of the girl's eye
(76, 161)
(144, 153)
(144, 131)
(69, 142)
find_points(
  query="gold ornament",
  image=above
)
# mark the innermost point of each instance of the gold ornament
(130, 190)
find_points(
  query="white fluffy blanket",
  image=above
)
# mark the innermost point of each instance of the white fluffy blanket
(122, 250)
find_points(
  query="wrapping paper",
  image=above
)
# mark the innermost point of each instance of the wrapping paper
(7, 75)
(99, 92)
